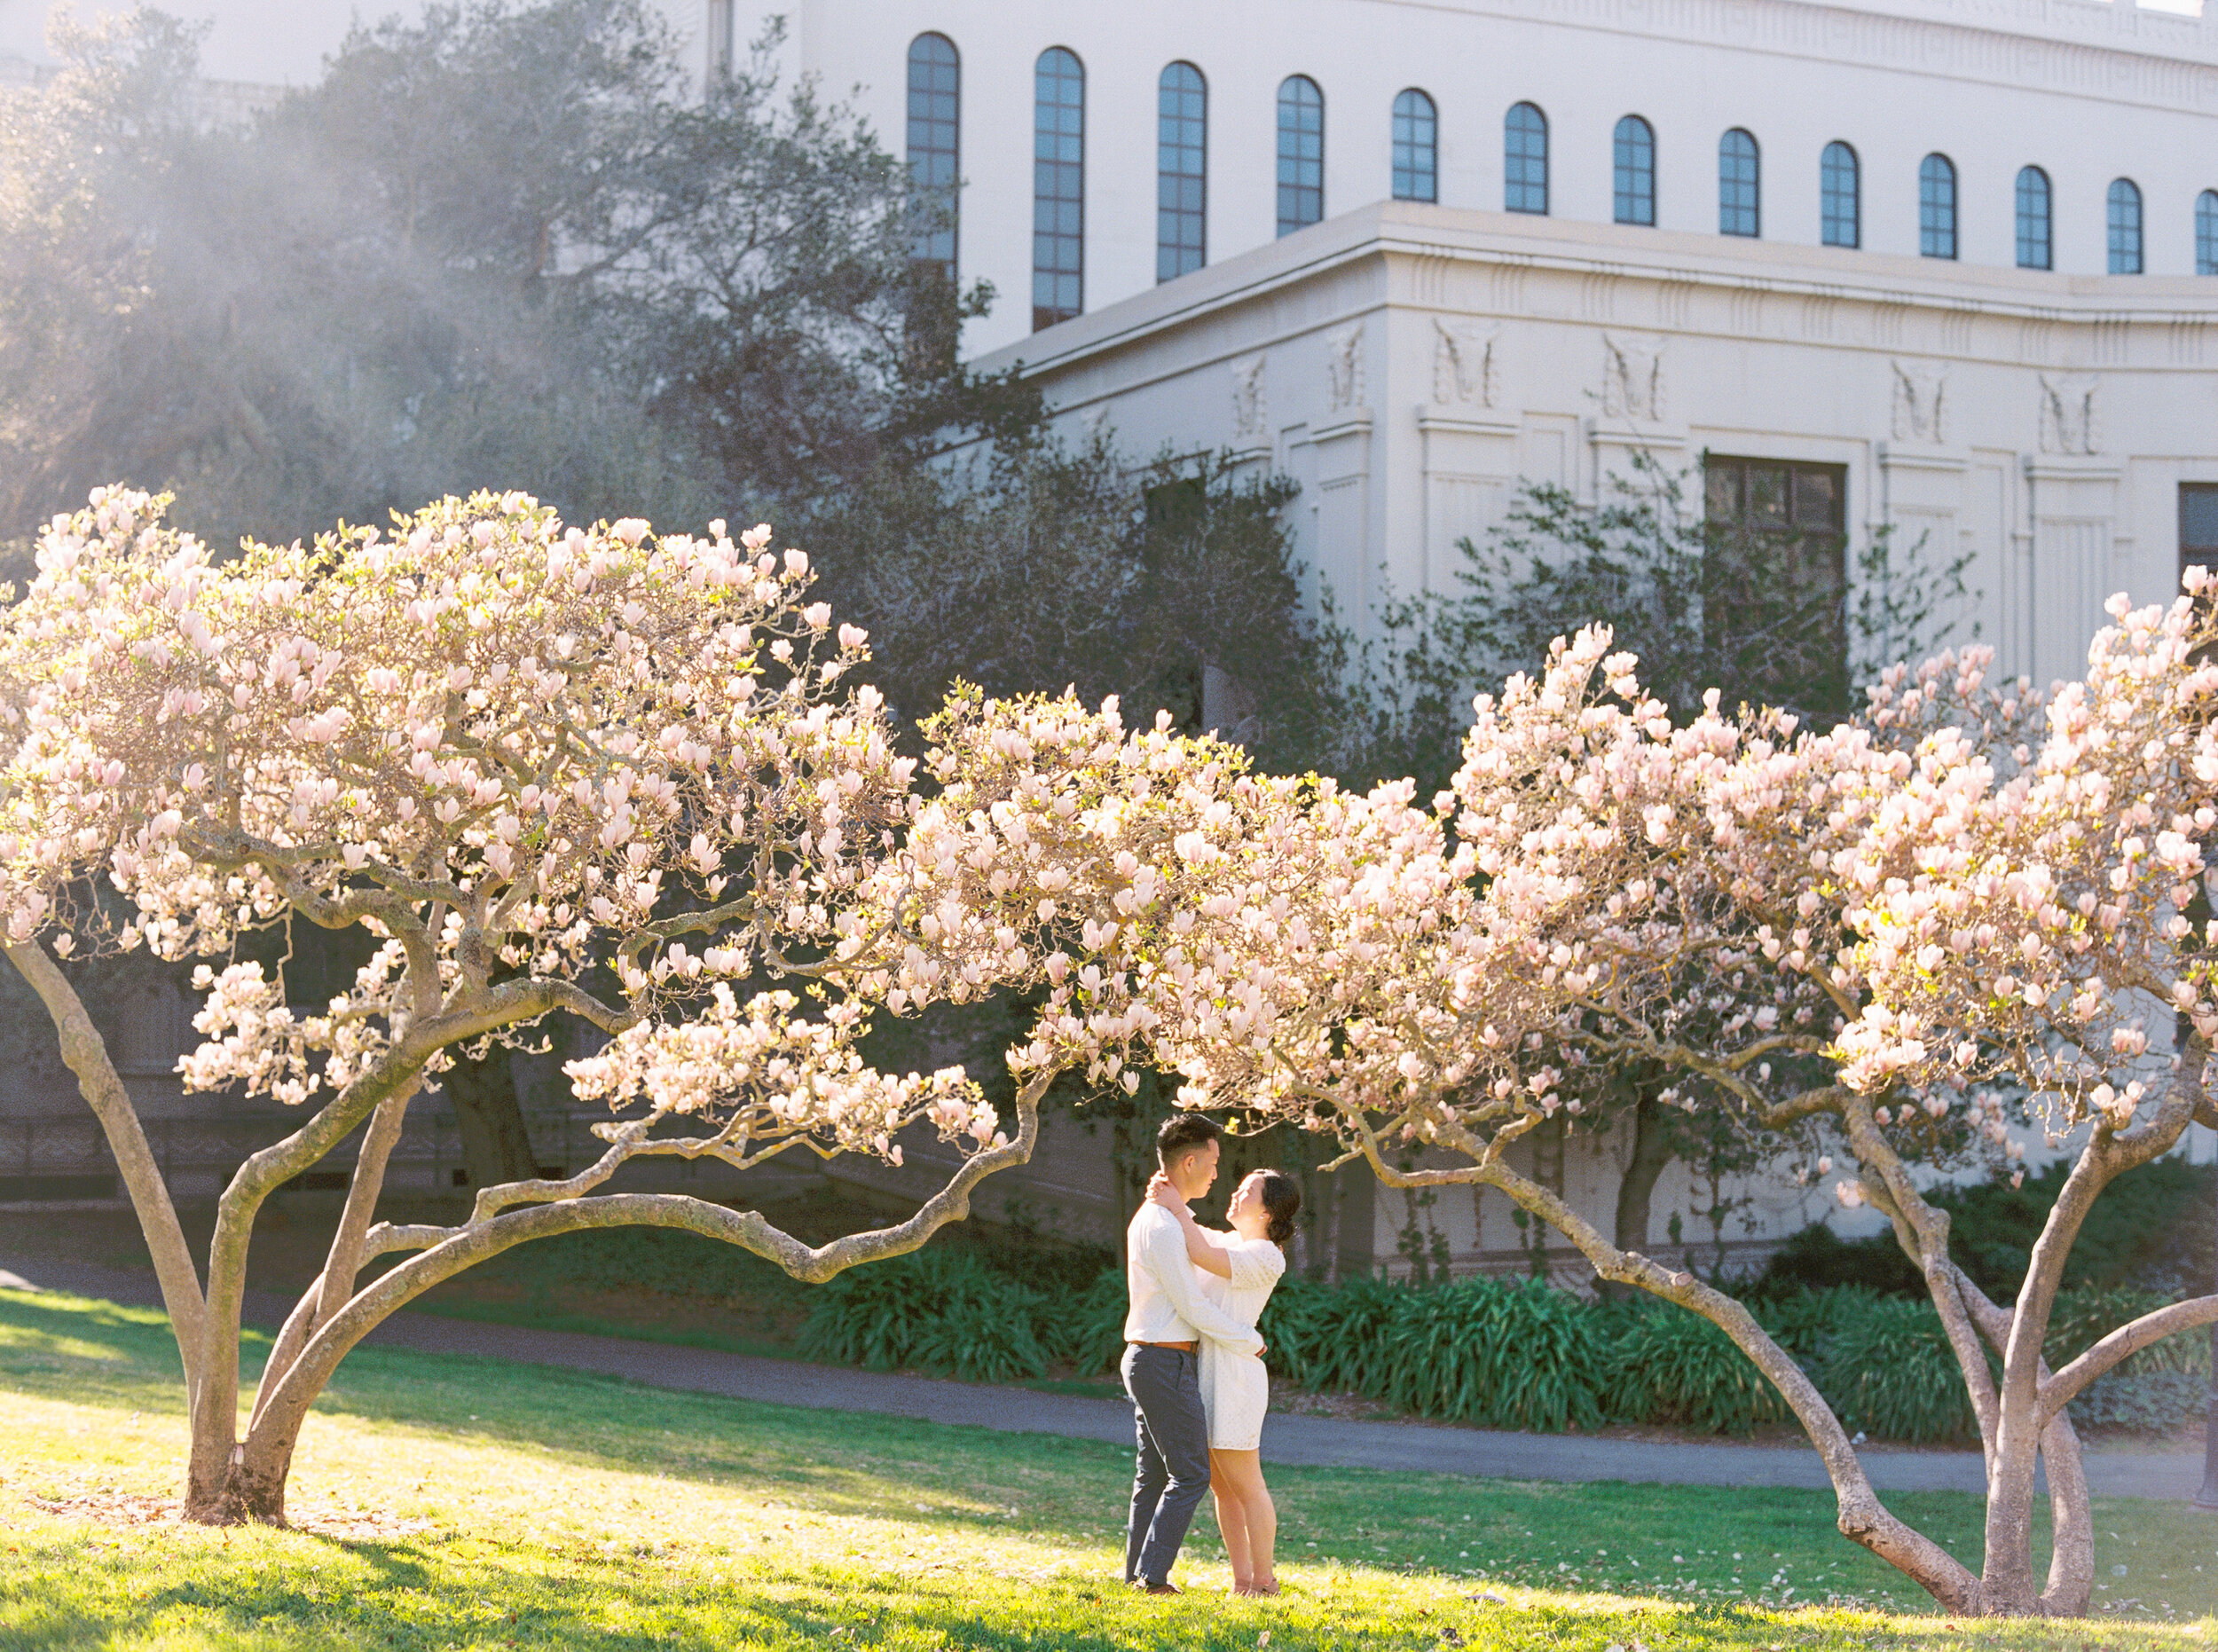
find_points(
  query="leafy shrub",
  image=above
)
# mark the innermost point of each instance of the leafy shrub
(1888, 1369)
(1800, 1322)
(1327, 1337)
(2082, 1318)
(1677, 1367)
(931, 1311)
(981, 1336)
(2141, 1401)
(1500, 1353)
(1994, 1225)
(1818, 1259)
(1493, 1352)
(2137, 1226)
(1089, 1332)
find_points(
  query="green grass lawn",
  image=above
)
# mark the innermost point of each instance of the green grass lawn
(444, 1502)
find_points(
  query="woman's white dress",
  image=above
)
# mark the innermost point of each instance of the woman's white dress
(1235, 1391)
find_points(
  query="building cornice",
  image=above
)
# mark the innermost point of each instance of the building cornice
(2107, 49)
(1409, 254)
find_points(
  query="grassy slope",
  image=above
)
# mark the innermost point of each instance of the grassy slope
(514, 1505)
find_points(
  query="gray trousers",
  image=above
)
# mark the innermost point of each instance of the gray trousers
(1165, 1384)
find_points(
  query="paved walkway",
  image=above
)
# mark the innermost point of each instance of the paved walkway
(1317, 1441)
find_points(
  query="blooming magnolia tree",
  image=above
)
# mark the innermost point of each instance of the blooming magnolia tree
(546, 768)
(1832, 937)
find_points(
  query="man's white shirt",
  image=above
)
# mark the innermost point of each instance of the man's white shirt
(1168, 1305)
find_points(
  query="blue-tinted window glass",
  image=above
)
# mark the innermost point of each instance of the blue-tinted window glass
(1181, 171)
(1840, 197)
(1632, 187)
(1937, 206)
(1058, 188)
(1524, 159)
(2125, 227)
(935, 108)
(2036, 245)
(1740, 185)
(1301, 154)
(1416, 147)
(2206, 233)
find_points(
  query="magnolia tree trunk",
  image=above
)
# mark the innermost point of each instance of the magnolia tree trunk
(234, 1475)
(2021, 1422)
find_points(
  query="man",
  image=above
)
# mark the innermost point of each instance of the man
(1168, 1317)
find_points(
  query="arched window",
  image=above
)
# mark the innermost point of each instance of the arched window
(1632, 189)
(935, 110)
(2125, 227)
(1840, 197)
(1740, 185)
(2206, 233)
(1524, 159)
(1937, 206)
(1301, 154)
(2036, 244)
(1058, 187)
(1416, 147)
(1181, 171)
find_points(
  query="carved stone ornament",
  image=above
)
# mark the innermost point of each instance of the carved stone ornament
(2067, 414)
(1343, 362)
(1632, 377)
(1463, 364)
(1920, 394)
(1251, 414)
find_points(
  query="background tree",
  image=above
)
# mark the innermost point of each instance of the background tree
(515, 243)
(1742, 596)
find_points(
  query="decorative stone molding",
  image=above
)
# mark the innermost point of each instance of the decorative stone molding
(1464, 371)
(1251, 410)
(1343, 367)
(2067, 414)
(1632, 376)
(1920, 397)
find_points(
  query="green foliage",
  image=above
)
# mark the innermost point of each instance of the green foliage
(2135, 1228)
(947, 1314)
(1326, 1337)
(1709, 598)
(2137, 1221)
(2143, 1402)
(1800, 1321)
(508, 243)
(1146, 592)
(1677, 1367)
(1818, 1259)
(1497, 1353)
(1889, 1371)
(1090, 1336)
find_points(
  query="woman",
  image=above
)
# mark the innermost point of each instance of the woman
(1240, 1269)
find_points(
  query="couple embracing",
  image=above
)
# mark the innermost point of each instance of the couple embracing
(1194, 1362)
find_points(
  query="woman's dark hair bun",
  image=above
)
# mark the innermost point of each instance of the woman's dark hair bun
(1282, 1203)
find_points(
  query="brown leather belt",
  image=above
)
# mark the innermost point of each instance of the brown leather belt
(1183, 1347)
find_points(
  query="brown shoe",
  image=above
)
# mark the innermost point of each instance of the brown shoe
(1157, 1589)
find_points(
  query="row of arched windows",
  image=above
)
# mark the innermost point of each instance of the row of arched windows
(1058, 213)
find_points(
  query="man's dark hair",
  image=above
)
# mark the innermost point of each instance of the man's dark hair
(1183, 1133)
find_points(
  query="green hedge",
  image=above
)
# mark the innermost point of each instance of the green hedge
(1505, 1353)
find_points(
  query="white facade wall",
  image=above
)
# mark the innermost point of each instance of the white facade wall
(2089, 92)
(2088, 89)
(1409, 365)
